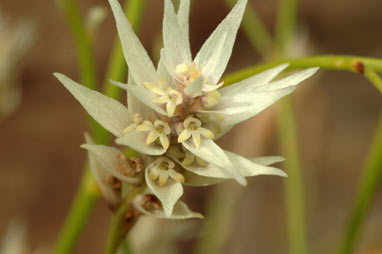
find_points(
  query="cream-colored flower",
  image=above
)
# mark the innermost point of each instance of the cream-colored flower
(192, 128)
(157, 130)
(179, 105)
(162, 169)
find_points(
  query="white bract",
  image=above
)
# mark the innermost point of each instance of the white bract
(176, 111)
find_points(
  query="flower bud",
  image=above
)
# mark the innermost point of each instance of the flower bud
(210, 100)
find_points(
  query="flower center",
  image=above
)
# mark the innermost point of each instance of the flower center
(192, 127)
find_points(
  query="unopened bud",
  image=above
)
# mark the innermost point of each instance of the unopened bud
(210, 100)
(182, 69)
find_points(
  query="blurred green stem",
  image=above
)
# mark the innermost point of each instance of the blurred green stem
(357, 64)
(288, 139)
(84, 46)
(255, 29)
(85, 199)
(294, 187)
(122, 221)
(285, 25)
(218, 222)
(367, 189)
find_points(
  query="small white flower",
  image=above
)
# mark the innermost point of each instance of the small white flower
(192, 127)
(162, 169)
(157, 130)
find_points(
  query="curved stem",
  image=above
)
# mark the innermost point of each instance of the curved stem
(330, 62)
(122, 221)
(85, 199)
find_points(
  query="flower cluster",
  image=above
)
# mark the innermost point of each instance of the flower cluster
(175, 112)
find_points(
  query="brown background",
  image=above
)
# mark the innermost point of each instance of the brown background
(41, 161)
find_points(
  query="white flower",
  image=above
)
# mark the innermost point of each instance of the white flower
(163, 168)
(192, 127)
(157, 130)
(197, 81)
(175, 112)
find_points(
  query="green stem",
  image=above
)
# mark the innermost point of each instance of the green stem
(285, 24)
(122, 221)
(84, 46)
(367, 189)
(331, 62)
(374, 78)
(219, 219)
(288, 138)
(117, 68)
(255, 29)
(86, 196)
(294, 187)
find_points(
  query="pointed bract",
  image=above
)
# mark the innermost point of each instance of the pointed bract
(137, 141)
(101, 174)
(183, 18)
(176, 46)
(227, 29)
(168, 194)
(109, 158)
(180, 212)
(111, 114)
(140, 64)
(212, 153)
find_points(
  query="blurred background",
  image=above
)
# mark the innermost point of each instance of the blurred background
(41, 161)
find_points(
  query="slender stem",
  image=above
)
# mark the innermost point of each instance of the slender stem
(285, 24)
(87, 193)
(86, 196)
(294, 187)
(367, 189)
(288, 138)
(219, 219)
(331, 62)
(84, 46)
(117, 68)
(255, 29)
(374, 78)
(122, 221)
